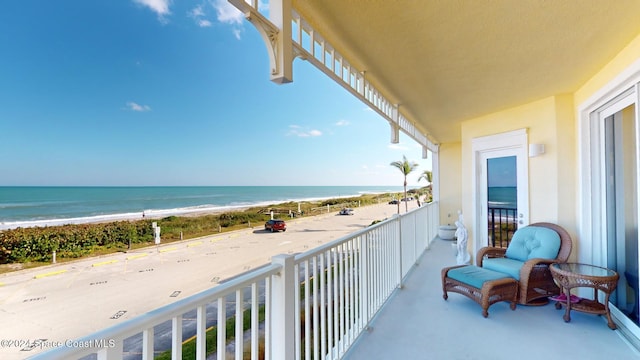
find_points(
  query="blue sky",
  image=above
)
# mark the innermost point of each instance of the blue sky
(502, 172)
(161, 92)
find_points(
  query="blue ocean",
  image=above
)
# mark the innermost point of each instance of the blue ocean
(505, 197)
(43, 206)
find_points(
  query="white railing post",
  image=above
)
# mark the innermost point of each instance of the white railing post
(283, 297)
(398, 220)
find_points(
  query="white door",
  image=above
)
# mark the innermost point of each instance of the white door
(501, 168)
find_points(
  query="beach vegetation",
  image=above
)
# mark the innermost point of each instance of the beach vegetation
(35, 246)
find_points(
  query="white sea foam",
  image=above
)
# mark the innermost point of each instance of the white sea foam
(152, 214)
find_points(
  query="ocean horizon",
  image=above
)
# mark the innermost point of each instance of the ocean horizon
(28, 206)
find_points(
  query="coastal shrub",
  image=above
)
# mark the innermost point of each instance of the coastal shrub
(72, 241)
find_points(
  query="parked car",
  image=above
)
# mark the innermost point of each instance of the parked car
(393, 202)
(275, 225)
(410, 198)
(346, 211)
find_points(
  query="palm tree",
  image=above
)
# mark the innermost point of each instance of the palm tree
(405, 168)
(427, 175)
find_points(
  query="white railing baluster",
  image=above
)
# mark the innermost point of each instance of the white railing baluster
(221, 325)
(307, 311)
(147, 344)
(255, 322)
(330, 301)
(296, 314)
(323, 306)
(239, 333)
(268, 320)
(316, 311)
(201, 332)
(176, 337)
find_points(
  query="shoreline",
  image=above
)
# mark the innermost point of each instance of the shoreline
(12, 268)
(193, 211)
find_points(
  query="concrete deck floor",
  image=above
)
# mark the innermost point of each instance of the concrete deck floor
(417, 323)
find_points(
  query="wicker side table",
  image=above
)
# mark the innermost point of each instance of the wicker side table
(573, 275)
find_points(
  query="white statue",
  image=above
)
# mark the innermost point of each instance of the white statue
(463, 257)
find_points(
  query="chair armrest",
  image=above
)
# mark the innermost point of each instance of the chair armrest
(530, 264)
(490, 252)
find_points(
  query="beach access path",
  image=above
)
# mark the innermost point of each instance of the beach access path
(65, 301)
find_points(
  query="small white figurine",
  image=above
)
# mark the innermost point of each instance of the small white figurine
(463, 257)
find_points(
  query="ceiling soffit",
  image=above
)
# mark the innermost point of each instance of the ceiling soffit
(448, 61)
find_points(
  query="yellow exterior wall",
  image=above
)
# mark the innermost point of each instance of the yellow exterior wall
(450, 182)
(553, 177)
(567, 161)
(550, 122)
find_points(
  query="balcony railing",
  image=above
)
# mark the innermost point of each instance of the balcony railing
(503, 223)
(309, 306)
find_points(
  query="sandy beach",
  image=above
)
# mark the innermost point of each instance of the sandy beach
(65, 301)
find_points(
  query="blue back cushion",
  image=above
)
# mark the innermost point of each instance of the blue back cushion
(532, 242)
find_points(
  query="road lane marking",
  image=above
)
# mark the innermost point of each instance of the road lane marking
(194, 244)
(40, 276)
(137, 256)
(169, 249)
(104, 263)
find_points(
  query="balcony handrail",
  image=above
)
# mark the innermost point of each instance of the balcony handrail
(373, 261)
(328, 246)
(160, 315)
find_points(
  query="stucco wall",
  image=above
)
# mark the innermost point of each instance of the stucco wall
(551, 176)
(450, 182)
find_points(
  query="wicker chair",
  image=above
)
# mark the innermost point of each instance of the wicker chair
(536, 283)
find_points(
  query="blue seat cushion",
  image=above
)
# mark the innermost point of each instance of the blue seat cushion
(474, 276)
(506, 266)
(532, 242)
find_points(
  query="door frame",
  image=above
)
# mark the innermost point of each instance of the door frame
(512, 143)
(619, 92)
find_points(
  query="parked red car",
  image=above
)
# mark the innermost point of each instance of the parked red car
(275, 225)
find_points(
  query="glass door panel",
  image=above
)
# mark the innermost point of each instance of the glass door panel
(621, 208)
(502, 199)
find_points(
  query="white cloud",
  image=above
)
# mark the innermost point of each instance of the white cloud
(136, 107)
(295, 130)
(237, 32)
(160, 7)
(227, 13)
(197, 11)
(199, 16)
(342, 123)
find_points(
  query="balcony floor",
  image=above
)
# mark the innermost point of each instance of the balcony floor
(417, 323)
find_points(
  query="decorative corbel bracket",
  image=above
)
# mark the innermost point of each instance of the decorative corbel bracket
(278, 41)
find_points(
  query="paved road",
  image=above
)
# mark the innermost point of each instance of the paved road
(65, 301)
